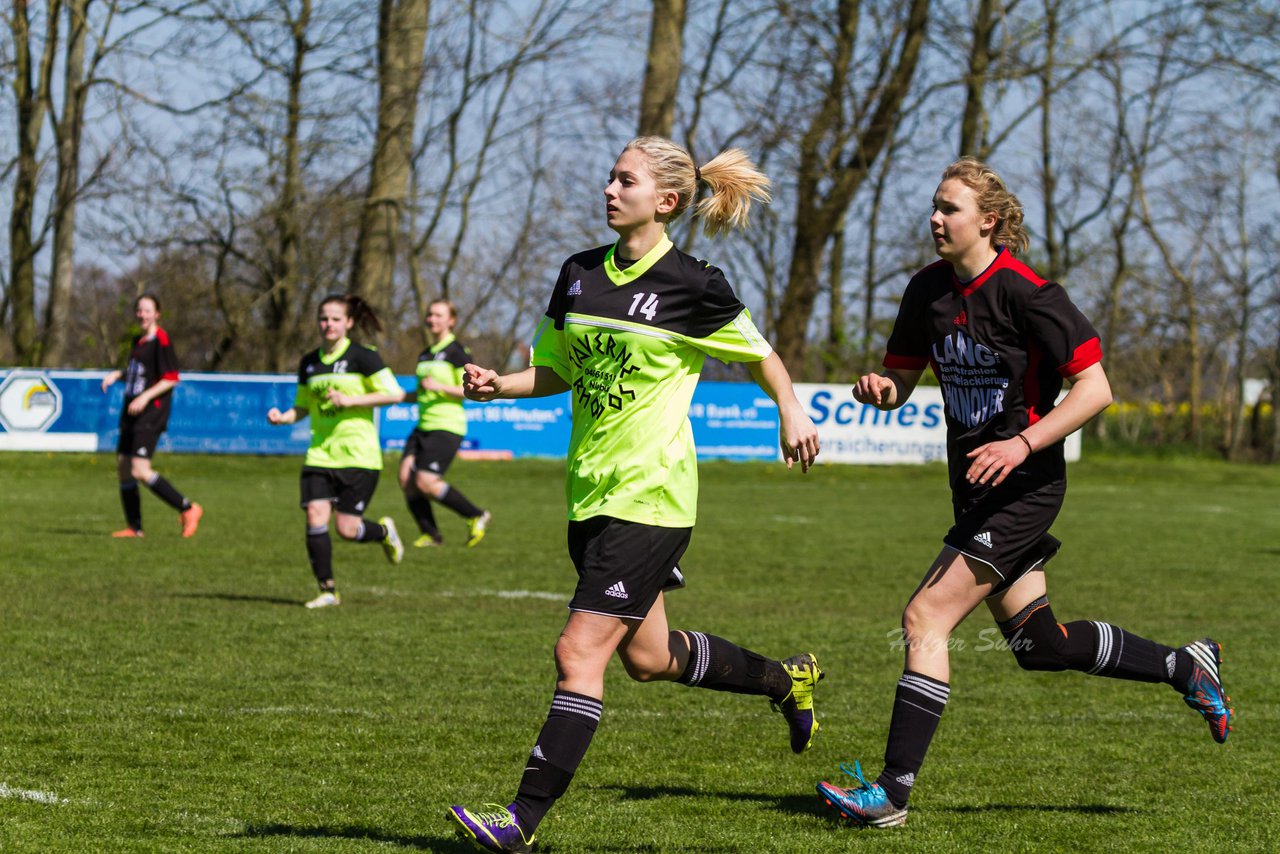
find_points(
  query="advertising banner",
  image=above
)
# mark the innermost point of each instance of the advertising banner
(226, 414)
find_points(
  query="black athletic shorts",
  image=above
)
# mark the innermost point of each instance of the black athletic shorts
(349, 490)
(432, 450)
(139, 434)
(622, 566)
(1007, 528)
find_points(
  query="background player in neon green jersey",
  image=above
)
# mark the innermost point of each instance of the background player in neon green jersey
(338, 387)
(442, 425)
(627, 330)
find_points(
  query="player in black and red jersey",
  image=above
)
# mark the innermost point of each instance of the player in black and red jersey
(149, 379)
(1001, 341)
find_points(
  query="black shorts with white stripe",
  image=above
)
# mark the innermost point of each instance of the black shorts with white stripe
(622, 566)
(1007, 527)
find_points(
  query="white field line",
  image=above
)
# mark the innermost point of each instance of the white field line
(7, 791)
(510, 594)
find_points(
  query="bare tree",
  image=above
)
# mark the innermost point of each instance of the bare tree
(836, 156)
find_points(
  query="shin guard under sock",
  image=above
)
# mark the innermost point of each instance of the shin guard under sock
(132, 503)
(164, 490)
(420, 508)
(566, 735)
(458, 503)
(320, 553)
(917, 708)
(721, 665)
(1039, 642)
(370, 532)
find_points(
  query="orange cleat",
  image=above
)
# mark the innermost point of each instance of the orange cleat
(126, 534)
(191, 519)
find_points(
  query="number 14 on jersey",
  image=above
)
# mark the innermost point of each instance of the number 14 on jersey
(649, 309)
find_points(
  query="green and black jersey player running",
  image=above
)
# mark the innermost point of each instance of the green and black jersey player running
(442, 425)
(626, 331)
(338, 387)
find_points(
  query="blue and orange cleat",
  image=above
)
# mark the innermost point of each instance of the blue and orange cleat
(866, 805)
(1205, 692)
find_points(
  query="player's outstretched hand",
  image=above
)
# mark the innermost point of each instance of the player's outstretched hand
(874, 390)
(479, 383)
(797, 436)
(275, 416)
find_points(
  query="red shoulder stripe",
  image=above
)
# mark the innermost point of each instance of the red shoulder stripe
(1086, 355)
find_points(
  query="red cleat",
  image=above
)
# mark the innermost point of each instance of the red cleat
(191, 519)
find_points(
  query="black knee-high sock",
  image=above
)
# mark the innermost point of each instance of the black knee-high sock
(565, 737)
(370, 532)
(1121, 655)
(1099, 649)
(458, 503)
(720, 665)
(132, 503)
(320, 553)
(917, 708)
(420, 510)
(164, 490)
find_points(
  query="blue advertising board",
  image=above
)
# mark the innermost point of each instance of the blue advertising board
(226, 414)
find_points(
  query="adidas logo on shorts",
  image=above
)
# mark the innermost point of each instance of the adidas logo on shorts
(617, 591)
(984, 538)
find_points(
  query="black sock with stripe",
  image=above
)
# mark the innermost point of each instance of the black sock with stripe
(458, 503)
(564, 739)
(917, 708)
(721, 665)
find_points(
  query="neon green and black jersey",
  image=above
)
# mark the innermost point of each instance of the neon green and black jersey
(342, 438)
(630, 344)
(443, 362)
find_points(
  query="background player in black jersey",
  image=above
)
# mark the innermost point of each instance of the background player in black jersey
(627, 329)
(442, 425)
(1001, 341)
(338, 387)
(149, 378)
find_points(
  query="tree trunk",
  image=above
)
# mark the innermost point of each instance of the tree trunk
(68, 132)
(402, 33)
(31, 89)
(975, 122)
(818, 211)
(662, 68)
(284, 273)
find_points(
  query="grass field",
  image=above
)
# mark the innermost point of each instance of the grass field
(171, 695)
